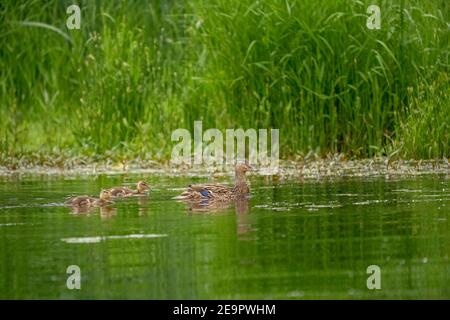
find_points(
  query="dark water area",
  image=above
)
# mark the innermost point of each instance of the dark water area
(291, 240)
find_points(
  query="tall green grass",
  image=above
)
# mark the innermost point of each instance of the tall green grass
(138, 70)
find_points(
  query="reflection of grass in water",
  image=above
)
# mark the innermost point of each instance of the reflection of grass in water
(259, 254)
(134, 73)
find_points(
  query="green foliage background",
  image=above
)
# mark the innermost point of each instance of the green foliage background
(137, 70)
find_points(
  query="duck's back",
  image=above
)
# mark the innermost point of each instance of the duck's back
(82, 201)
(120, 192)
(207, 191)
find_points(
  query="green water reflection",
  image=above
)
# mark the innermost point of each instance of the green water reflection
(292, 240)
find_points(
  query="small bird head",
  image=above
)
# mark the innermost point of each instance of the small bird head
(105, 195)
(243, 167)
(142, 186)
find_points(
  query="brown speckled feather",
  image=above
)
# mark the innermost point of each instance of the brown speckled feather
(219, 192)
(83, 201)
(127, 192)
(121, 192)
(86, 201)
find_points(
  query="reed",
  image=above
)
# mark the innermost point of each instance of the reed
(138, 70)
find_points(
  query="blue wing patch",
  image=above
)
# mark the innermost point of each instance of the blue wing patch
(204, 193)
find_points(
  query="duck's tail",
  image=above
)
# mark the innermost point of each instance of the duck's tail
(181, 197)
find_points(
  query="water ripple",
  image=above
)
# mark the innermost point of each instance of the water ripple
(103, 238)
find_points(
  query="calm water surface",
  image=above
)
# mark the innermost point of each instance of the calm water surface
(292, 240)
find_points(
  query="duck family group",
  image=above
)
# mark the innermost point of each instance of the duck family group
(197, 192)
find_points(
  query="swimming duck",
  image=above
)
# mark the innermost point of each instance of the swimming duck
(205, 192)
(141, 187)
(86, 201)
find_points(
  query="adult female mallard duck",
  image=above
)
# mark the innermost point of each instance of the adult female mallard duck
(141, 187)
(220, 192)
(86, 201)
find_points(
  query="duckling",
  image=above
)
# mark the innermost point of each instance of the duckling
(141, 187)
(86, 201)
(220, 192)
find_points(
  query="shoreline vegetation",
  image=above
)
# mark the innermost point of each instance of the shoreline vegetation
(135, 72)
(312, 167)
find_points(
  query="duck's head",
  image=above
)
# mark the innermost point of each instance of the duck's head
(105, 195)
(242, 168)
(142, 186)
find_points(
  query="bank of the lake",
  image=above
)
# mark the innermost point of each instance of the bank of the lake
(311, 167)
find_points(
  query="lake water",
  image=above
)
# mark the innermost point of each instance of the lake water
(293, 239)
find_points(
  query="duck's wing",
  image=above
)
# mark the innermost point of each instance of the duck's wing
(120, 192)
(205, 191)
(212, 189)
(82, 201)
